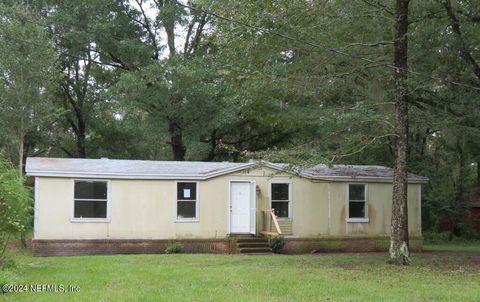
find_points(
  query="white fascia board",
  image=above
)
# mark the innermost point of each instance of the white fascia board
(110, 175)
(73, 174)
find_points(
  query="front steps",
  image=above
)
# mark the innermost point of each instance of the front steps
(253, 246)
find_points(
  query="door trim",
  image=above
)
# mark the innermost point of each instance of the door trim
(253, 199)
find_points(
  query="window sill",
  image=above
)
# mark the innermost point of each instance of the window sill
(284, 218)
(358, 220)
(187, 221)
(90, 220)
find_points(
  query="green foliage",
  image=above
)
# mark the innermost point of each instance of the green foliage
(15, 205)
(445, 237)
(338, 83)
(277, 243)
(307, 82)
(434, 237)
(27, 70)
(174, 248)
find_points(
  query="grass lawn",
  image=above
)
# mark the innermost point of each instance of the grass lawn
(443, 273)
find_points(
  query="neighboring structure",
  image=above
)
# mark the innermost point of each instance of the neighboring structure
(88, 206)
(473, 204)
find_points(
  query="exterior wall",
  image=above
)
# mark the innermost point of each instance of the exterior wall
(145, 209)
(333, 199)
(475, 218)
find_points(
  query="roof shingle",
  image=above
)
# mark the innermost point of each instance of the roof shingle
(144, 169)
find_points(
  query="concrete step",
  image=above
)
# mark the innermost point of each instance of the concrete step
(253, 239)
(252, 244)
(255, 250)
(259, 254)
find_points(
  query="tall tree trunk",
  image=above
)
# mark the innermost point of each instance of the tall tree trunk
(459, 184)
(176, 141)
(478, 173)
(168, 23)
(461, 173)
(213, 146)
(20, 154)
(26, 150)
(21, 141)
(81, 136)
(399, 247)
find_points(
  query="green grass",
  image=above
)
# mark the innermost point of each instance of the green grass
(433, 276)
(460, 247)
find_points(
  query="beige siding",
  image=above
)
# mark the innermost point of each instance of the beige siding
(285, 226)
(145, 209)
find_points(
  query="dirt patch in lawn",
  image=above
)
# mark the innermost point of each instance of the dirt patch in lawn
(448, 262)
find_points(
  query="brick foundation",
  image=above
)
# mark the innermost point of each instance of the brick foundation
(222, 246)
(124, 246)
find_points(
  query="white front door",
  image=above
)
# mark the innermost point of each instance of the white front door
(242, 207)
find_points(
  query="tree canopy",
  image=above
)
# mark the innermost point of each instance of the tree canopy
(289, 80)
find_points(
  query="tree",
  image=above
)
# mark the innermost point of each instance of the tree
(181, 89)
(399, 251)
(461, 42)
(94, 42)
(172, 102)
(292, 76)
(27, 68)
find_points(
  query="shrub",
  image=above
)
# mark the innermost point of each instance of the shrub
(15, 204)
(174, 248)
(434, 237)
(277, 243)
(438, 237)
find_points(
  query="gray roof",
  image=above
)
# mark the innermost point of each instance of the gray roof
(129, 168)
(357, 171)
(143, 169)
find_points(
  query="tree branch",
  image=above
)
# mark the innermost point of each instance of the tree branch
(464, 50)
(381, 43)
(147, 26)
(376, 4)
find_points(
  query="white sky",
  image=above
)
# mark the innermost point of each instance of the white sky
(151, 11)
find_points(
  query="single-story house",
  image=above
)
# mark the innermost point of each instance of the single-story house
(90, 206)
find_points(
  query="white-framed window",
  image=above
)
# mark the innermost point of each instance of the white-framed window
(91, 200)
(357, 203)
(187, 201)
(281, 199)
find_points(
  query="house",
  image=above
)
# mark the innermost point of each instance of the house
(90, 206)
(473, 206)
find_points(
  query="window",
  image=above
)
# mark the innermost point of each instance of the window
(357, 202)
(90, 199)
(280, 196)
(187, 200)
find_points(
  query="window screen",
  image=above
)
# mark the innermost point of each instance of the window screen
(90, 199)
(356, 201)
(281, 199)
(186, 200)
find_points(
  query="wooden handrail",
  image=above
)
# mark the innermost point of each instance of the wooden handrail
(273, 218)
